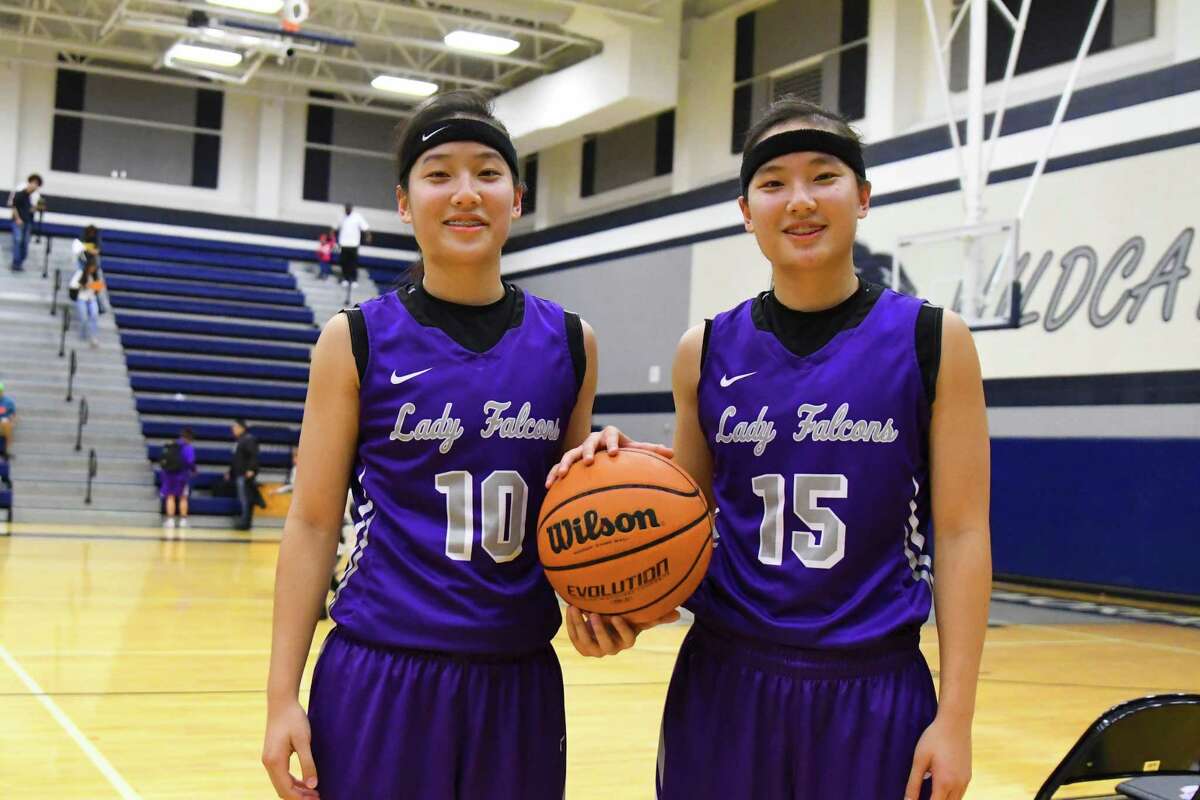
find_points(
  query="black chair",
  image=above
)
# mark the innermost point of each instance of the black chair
(1156, 735)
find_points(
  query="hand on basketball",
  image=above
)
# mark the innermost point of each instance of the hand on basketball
(288, 732)
(598, 635)
(610, 439)
(944, 750)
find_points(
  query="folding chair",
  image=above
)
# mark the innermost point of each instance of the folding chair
(1156, 735)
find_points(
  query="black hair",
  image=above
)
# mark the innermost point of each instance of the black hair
(461, 103)
(187, 434)
(790, 107)
(91, 234)
(35, 177)
(89, 260)
(241, 422)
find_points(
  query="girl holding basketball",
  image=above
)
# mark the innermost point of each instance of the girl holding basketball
(836, 425)
(438, 680)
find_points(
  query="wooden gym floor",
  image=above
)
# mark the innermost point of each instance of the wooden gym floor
(135, 667)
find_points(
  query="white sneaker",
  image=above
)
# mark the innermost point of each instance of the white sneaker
(354, 285)
(169, 523)
(182, 523)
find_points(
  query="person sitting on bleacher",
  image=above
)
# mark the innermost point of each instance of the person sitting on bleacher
(8, 418)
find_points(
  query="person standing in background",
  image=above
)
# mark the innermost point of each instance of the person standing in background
(23, 201)
(178, 465)
(244, 473)
(324, 256)
(352, 232)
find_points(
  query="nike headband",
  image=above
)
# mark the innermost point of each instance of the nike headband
(806, 140)
(458, 129)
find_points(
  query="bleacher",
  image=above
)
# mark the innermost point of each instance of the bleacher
(209, 336)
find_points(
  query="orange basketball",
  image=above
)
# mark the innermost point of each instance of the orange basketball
(628, 534)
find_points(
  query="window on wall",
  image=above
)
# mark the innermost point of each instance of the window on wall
(529, 174)
(136, 130)
(816, 49)
(1053, 34)
(629, 154)
(348, 157)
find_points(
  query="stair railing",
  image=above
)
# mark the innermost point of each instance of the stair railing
(93, 467)
(66, 323)
(83, 420)
(71, 374)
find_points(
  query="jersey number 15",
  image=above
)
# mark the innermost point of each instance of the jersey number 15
(807, 491)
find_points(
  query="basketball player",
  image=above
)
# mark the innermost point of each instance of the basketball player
(438, 680)
(833, 421)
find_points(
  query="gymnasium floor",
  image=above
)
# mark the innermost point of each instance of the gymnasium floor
(134, 667)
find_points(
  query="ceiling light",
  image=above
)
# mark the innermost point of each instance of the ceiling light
(390, 83)
(211, 56)
(480, 43)
(257, 6)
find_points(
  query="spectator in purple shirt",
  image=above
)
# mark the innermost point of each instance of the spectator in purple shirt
(178, 463)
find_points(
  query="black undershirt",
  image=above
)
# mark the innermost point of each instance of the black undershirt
(476, 328)
(805, 332)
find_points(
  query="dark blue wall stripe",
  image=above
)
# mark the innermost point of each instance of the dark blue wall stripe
(198, 219)
(1139, 388)
(1120, 512)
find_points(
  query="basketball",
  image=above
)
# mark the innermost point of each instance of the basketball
(629, 534)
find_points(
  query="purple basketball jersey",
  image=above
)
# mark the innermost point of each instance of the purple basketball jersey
(453, 451)
(821, 475)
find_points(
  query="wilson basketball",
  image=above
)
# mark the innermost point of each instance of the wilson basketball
(628, 534)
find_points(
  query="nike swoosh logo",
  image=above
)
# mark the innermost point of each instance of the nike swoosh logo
(402, 378)
(726, 382)
(426, 137)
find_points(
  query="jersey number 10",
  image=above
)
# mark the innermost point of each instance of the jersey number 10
(503, 534)
(807, 490)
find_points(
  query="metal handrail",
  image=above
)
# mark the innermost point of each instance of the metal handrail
(49, 247)
(83, 420)
(93, 468)
(66, 323)
(54, 294)
(71, 374)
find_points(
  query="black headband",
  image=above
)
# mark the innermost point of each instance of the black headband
(800, 141)
(458, 129)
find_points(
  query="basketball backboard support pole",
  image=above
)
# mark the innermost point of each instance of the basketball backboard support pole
(975, 152)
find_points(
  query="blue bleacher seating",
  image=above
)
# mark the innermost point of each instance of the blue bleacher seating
(221, 455)
(145, 362)
(216, 329)
(212, 347)
(295, 314)
(239, 389)
(210, 258)
(241, 294)
(266, 434)
(210, 408)
(198, 274)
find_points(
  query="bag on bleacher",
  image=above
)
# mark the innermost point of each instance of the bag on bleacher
(171, 459)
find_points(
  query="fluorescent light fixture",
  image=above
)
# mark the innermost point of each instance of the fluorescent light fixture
(210, 56)
(390, 83)
(480, 43)
(257, 6)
